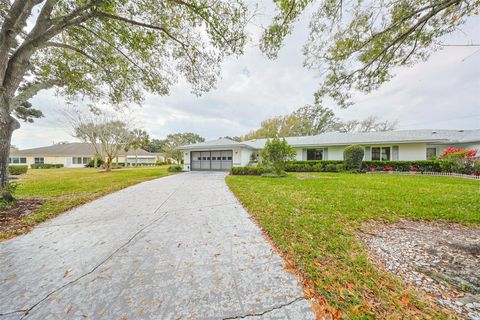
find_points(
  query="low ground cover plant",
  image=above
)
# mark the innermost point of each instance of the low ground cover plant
(175, 168)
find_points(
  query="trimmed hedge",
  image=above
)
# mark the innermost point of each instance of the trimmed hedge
(313, 166)
(247, 171)
(16, 170)
(46, 166)
(405, 166)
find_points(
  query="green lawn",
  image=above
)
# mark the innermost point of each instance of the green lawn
(62, 189)
(314, 219)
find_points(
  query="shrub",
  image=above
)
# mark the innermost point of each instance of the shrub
(476, 167)
(353, 156)
(340, 167)
(91, 163)
(404, 166)
(275, 154)
(176, 168)
(309, 165)
(247, 171)
(317, 167)
(17, 170)
(459, 160)
(331, 167)
(46, 165)
(388, 168)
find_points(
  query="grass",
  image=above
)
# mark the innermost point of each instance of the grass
(314, 219)
(63, 189)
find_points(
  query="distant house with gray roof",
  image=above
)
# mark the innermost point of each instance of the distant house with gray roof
(222, 154)
(76, 155)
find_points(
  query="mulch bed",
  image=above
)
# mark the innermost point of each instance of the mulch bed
(441, 259)
(12, 219)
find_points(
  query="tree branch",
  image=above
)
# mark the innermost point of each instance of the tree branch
(30, 91)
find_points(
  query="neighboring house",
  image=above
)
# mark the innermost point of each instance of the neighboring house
(222, 154)
(75, 155)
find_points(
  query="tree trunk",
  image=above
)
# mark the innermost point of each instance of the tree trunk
(8, 124)
(108, 164)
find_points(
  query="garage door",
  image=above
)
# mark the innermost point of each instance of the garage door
(212, 160)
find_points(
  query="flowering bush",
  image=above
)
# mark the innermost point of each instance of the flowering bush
(372, 169)
(387, 168)
(459, 160)
(458, 152)
(413, 169)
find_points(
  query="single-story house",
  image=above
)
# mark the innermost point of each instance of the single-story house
(76, 155)
(222, 154)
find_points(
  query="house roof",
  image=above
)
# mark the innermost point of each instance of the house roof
(72, 149)
(215, 144)
(341, 139)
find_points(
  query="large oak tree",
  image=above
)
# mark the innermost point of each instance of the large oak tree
(109, 50)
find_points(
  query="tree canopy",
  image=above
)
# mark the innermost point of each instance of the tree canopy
(315, 119)
(356, 45)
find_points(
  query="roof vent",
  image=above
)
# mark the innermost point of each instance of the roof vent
(461, 130)
(434, 132)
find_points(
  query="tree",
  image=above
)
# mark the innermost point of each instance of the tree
(367, 125)
(155, 145)
(275, 154)
(358, 45)
(110, 51)
(234, 138)
(106, 133)
(138, 139)
(312, 120)
(176, 140)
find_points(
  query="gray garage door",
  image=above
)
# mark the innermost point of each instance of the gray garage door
(212, 160)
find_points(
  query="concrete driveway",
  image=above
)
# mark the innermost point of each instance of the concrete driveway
(179, 247)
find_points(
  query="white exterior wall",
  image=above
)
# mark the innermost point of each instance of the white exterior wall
(299, 156)
(335, 153)
(186, 160)
(245, 154)
(414, 151)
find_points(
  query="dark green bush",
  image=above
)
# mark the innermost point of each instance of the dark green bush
(340, 167)
(46, 165)
(100, 162)
(405, 166)
(16, 170)
(176, 168)
(352, 157)
(331, 167)
(247, 171)
(310, 165)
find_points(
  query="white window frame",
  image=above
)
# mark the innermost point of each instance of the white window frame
(17, 160)
(381, 148)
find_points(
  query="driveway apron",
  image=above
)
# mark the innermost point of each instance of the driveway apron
(179, 247)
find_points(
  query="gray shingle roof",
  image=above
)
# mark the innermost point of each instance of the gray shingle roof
(341, 139)
(71, 149)
(218, 143)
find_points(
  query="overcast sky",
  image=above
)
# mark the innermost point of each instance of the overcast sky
(442, 93)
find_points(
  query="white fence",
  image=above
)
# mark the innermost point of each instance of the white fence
(445, 174)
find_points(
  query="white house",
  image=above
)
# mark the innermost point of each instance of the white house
(222, 154)
(75, 155)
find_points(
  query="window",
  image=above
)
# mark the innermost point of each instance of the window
(39, 160)
(224, 158)
(229, 158)
(315, 154)
(204, 158)
(381, 153)
(431, 153)
(80, 160)
(17, 160)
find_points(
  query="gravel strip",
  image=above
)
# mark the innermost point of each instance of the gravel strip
(442, 259)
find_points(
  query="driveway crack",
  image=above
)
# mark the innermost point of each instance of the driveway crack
(266, 311)
(28, 310)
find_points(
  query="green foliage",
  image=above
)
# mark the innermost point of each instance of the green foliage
(358, 45)
(353, 156)
(310, 165)
(405, 166)
(176, 140)
(275, 154)
(315, 221)
(46, 166)
(27, 113)
(100, 163)
(331, 167)
(17, 169)
(176, 168)
(458, 163)
(247, 171)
